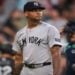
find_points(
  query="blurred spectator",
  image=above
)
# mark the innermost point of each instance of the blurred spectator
(68, 42)
(69, 29)
(56, 19)
(70, 48)
(69, 13)
(17, 18)
(5, 47)
(6, 6)
(13, 24)
(7, 53)
(10, 31)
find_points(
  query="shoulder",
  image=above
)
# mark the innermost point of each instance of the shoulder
(49, 26)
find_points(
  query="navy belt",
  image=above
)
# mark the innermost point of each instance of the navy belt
(37, 65)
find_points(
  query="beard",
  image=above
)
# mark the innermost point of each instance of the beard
(35, 19)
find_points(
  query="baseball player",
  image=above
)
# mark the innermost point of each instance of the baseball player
(38, 42)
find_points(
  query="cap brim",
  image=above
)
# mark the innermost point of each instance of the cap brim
(42, 8)
(35, 8)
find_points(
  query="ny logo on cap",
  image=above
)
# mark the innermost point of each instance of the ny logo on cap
(36, 4)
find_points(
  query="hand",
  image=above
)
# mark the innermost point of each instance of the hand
(18, 64)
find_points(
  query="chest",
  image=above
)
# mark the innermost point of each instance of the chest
(36, 36)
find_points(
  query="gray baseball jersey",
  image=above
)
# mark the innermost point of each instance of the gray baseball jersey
(35, 43)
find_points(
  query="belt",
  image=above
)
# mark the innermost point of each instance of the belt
(37, 65)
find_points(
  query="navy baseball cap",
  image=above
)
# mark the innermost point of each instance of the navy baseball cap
(33, 5)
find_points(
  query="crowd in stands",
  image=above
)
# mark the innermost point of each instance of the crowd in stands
(60, 13)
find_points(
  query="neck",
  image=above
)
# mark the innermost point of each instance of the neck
(32, 24)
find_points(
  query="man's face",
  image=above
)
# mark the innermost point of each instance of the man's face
(17, 18)
(35, 15)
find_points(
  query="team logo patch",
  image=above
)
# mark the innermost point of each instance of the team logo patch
(57, 39)
(35, 3)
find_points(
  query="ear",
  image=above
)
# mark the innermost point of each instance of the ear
(25, 14)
